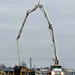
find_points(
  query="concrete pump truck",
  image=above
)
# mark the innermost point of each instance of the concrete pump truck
(56, 68)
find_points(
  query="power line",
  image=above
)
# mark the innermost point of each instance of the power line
(37, 59)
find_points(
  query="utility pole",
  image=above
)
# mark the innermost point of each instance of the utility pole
(34, 67)
(30, 63)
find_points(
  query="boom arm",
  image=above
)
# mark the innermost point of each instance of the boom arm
(28, 12)
(50, 27)
(52, 32)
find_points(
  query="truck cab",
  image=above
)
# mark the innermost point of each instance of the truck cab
(56, 70)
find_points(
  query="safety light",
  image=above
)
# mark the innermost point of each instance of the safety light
(62, 73)
(52, 73)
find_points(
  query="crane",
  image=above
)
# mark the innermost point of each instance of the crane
(56, 61)
(50, 27)
(56, 67)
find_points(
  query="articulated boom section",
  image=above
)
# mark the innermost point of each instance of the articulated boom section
(27, 13)
(50, 27)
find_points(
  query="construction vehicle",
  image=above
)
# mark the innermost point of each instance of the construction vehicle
(20, 70)
(55, 69)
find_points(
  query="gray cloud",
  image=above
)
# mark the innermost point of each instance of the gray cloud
(35, 39)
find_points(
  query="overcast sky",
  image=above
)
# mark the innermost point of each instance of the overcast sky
(35, 41)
